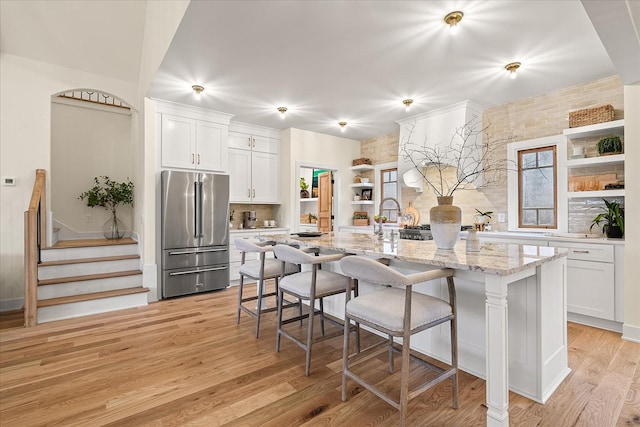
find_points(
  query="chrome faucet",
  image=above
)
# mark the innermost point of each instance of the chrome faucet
(386, 199)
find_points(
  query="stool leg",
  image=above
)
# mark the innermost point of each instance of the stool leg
(279, 322)
(345, 356)
(404, 379)
(390, 355)
(239, 298)
(300, 310)
(322, 315)
(454, 362)
(261, 284)
(309, 337)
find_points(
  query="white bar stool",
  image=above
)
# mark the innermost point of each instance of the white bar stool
(397, 312)
(308, 286)
(260, 270)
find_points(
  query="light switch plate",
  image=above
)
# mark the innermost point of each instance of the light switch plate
(501, 217)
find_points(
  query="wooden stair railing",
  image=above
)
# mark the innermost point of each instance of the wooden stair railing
(34, 234)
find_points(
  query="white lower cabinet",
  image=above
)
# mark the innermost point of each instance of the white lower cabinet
(590, 279)
(235, 256)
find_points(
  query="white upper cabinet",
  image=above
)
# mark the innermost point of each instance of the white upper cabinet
(254, 164)
(192, 138)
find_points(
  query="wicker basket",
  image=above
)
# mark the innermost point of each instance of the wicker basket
(590, 116)
(361, 161)
(305, 218)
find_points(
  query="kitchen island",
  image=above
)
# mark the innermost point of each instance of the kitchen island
(512, 324)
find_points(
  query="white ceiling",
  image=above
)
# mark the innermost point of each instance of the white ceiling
(325, 60)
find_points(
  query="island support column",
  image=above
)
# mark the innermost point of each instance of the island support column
(497, 362)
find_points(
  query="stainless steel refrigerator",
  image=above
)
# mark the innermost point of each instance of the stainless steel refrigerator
(195, 232)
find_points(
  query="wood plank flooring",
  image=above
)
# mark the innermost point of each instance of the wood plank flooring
(185, 362)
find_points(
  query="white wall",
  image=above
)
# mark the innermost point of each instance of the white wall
(631, 326)
(25, 136)
(315, 148)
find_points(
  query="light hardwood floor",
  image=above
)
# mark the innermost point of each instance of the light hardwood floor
(185, 362)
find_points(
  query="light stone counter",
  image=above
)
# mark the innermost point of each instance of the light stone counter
(493, 258)
(512, 319)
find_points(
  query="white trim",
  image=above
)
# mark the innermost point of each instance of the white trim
(191, 112)
(560, 142)
(631, 333)
(336, 192)
(454, 107)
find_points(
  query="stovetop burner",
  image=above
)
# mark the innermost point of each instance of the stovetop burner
(418, 227)
(416, 232)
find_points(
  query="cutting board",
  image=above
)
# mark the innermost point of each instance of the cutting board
(410, 216)
(591, 182)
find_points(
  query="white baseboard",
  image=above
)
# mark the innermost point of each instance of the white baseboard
(11, 304)
(609, 325)
(631, 332)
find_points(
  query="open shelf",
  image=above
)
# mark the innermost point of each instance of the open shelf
(362, 185)
(595, 130)
(598, 194)
(309, 199)
(612, 160)
(362, 202)
(360, 168)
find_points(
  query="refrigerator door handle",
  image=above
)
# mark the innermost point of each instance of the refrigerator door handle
(202, 270)
(197, 251)
(196, 210)
(200, 228)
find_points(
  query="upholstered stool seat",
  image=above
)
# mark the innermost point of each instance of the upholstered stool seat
(397, 311)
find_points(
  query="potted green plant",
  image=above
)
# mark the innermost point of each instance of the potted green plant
(377, 218)
(313, 218)
(304, 192)
(612, 219)
(609, 145)
(110, 194)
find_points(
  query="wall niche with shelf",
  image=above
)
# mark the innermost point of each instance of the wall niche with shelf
(592, 177)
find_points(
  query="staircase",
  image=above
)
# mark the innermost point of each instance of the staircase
(82, 277)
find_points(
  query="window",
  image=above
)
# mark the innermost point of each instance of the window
(537, 184)
(389, 188)
(537, 192)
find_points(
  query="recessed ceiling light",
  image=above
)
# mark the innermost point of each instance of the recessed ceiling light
(511, 68)
(452, 20)
(407, 103)
(283, 111)
(343, 125)
(198, 90)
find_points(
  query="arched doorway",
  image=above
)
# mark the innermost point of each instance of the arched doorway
(91, 135)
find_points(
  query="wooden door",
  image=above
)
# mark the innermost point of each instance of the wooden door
(325, 199)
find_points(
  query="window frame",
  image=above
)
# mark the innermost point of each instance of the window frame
(536, 150)
(513, 183)
(377, 188)
(381, 183)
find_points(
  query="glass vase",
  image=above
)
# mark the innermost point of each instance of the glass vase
(114, 228)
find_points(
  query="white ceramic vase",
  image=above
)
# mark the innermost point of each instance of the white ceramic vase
(445, 220)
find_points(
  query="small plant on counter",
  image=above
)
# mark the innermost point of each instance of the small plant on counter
(231, 215)
(313, 218)
(612, 219)
(483, 217)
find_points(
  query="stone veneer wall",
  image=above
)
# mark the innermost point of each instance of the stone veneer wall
(530, 118)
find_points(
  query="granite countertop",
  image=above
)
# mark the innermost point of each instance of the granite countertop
(501, 259)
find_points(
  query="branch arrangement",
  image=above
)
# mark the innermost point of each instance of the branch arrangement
(478, 160)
